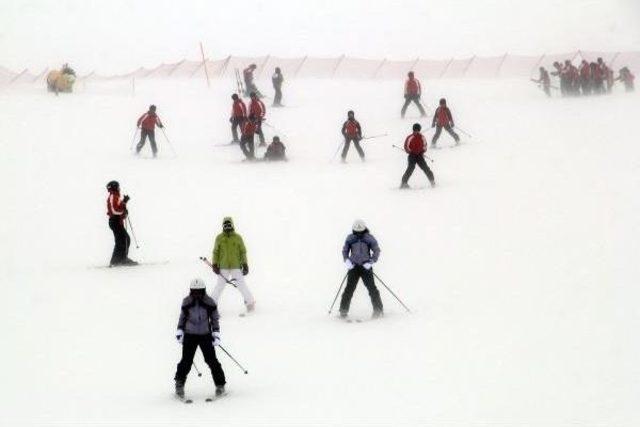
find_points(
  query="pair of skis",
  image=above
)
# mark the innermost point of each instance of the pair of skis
(209, 399)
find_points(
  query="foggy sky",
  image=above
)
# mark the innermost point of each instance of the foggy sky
(121, 35)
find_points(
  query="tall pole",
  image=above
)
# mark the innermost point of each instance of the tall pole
(204, 64)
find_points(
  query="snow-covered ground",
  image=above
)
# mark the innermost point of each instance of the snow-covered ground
(520, 267)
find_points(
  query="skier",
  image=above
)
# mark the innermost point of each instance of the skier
(560, 73)
(572, 77)
(352, 132)
(275, 150)
(544, 81)
(277, 79)
(230, 263)
(607, 74)
(258, 110)
(412, 92)
(147, 123)
(198, 326)
(627, 77)
(117, 212)
(597, 78)
(415, 146)
(238, 116)
(359, 253)
(249, 85)
(246, 141)
(442, 118)
(585, 77)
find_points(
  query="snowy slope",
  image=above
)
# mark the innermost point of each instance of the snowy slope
(520, 266)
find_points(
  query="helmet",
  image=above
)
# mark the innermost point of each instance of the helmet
(350, 113)
(227, 224)
(152, 107)
(443, 101)
(410, 74)
(197, 283)
(417, 127)
(234, 96)
(276, 139)
(359, 226)
(252, 94)
(113, 186)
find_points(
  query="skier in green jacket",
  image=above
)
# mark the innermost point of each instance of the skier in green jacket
(230, 263)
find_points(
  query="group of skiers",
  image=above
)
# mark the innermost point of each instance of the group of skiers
(589, 78)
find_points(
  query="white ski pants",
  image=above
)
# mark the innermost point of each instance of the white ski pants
(236, 274)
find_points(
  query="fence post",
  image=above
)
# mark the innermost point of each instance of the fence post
(335, 69)
(300, 66)
(204, 64)
(504, 58)
(466, 68)
(375, 74)
(446, 67)
(175, 67)
(223, 69)
(612, 60)
(263, 65)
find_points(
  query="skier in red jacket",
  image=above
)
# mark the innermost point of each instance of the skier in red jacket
(412, 92)
(117, 212)
(352, 132)
(238, 116)
(147, 124)
(442, 118)
(248, 131)
(257, 108)
(415, 146)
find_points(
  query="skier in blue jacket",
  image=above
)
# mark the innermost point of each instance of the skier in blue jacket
(359, 253)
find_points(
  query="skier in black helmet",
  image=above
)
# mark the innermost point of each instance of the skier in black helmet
(117, 212)
(198, 327)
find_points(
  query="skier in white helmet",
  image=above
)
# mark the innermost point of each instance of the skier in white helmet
(198, 327)
(359, 253)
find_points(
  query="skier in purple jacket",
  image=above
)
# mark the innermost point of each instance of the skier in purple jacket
(359, 253)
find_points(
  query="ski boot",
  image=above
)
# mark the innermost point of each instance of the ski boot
(220, 391)
(180, 388)
(404, 186)
(343, 314)
(433, 183)
(377, 314)
(251, 307)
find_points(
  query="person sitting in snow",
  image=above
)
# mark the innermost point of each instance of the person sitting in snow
(275, 150)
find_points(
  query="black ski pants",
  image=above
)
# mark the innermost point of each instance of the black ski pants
(277, 99)
(260, 134)
(235, 122)
(190, 344)
(247, 146)
(121, 238)
(356, 273)
(356, 143)
(439, 131)
(144, 133)
(412, 161)
(407, 100)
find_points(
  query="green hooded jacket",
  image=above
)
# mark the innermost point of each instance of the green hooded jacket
(229, 251)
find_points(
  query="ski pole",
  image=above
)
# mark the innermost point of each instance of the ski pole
(463, 131)
(232, 358)
(231, 282)
(337, 151)
(390, 291)
(338, 293)
(133, 142)
(374, 136)
(425, 156)
(196, 368)
(168, 142)
(133, 233)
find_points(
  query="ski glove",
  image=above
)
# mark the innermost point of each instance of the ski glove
(179, 336)
(216, 339)
(348, 264)
(215, 268)
(367, 265)
(245, 269)
(125, 198)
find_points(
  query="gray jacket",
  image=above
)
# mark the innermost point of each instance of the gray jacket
(361, 249)
(199, 316)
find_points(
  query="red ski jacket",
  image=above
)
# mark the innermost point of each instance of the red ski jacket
(352, 129)
(585, 71)
(257, 108)
(248, 128)
(442, 117)
(116, 206)
(415, 144)
(148, 121)
(412, 87)
(238, 110)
